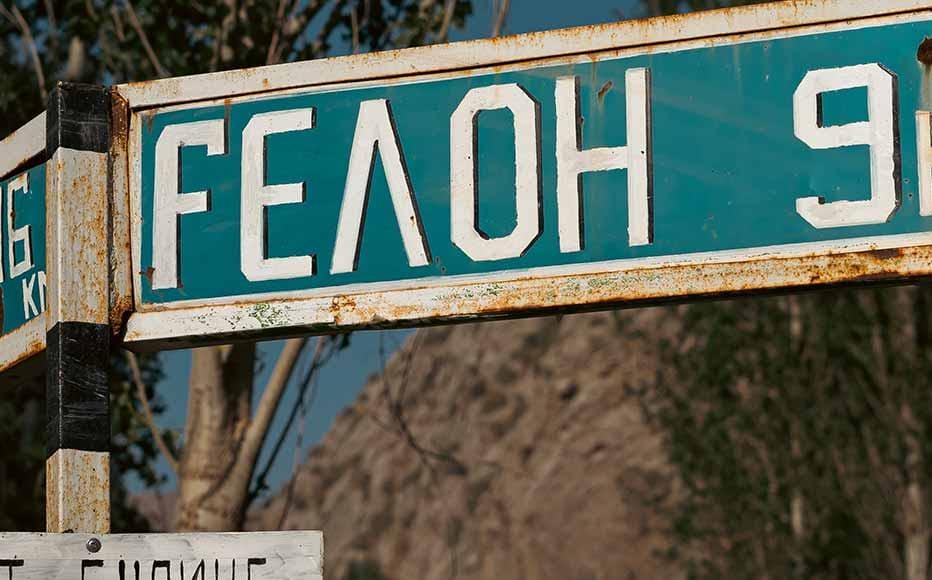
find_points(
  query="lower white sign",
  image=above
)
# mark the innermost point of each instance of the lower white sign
(201, 556)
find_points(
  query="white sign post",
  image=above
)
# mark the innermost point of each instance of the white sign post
(202, 556)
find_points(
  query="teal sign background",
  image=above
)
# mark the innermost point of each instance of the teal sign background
(29, 210)
(727, 168)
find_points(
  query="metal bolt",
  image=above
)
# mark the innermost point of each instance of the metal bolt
(93, 545)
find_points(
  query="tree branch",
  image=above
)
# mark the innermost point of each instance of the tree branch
(259, 426)
(53, 26)
(302, 406)
(449, 10)
(16, 18)
(147, 416)
(500, 18)
(144, 38)
(316, 363)
(354, 24)
(270, 57)
(117, 24)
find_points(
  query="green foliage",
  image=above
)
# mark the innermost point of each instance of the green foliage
(799, 427)
(107, 41)
(22, 456)
(133, 450)
(364, 570)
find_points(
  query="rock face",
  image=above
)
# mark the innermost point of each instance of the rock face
(496, 450)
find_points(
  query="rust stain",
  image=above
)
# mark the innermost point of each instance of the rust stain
(604, 90)
(924, 54)
(886, 254)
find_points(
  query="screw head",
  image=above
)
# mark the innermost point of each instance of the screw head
(93, 545)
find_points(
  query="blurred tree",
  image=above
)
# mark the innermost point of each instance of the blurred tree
(800, 429)
(661, 7)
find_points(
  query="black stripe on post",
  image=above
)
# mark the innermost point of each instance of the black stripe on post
(77, 394)
(78, 118)
(77, 353)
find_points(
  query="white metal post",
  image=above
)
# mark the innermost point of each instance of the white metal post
(78, 334)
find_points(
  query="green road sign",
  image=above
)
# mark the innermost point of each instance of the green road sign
(23, 187)
(692, 162)
(22, 280)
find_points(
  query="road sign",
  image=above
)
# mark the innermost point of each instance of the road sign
(22, 249)
(249, 556)
(762, 147)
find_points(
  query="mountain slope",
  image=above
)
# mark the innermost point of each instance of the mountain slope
(496, 450)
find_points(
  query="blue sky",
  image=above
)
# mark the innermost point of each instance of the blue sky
(341, 381)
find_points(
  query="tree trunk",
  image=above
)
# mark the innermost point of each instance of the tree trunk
(915, 522)
(211, 490)
(797, 502)
(223, 437)
(915, 505)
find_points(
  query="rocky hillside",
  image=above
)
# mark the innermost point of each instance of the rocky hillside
(505, 450)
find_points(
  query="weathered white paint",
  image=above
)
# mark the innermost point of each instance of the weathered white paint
(22, 145)
(17, 235)
(464, 161)
(76, 237)
(554, 287)
(880, 132)
(294, 555)
(786, 18)
(924, 149)
(77, 493)
(170, 202)
(256, 196)
(77, 262)
(376, 132)
(573, 161)
(22, 343)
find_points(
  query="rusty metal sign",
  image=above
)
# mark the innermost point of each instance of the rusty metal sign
(22, 248)
(258, 556)
(778, 146)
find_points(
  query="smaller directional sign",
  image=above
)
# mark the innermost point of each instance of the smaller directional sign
(23, 187)
(22, 276)
(248, 556)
